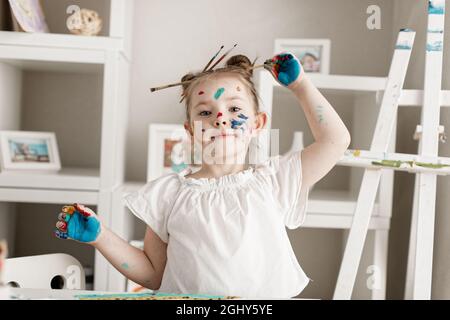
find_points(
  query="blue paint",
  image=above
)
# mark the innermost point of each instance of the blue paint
(436, 6)
(436, 46)
(60, 234)
(83, 229)
(219, 93)
(236, 123)
(242, 116)
(125, 265)
(403, 47)
(288, 68)
(147, 295)
(435, 31)
(178, 167)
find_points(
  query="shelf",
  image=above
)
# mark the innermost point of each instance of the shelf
(337, 83)
(62, 41)
(66, 179)
(335, 209)
(56, 52)
(334, 202)
(22, 195)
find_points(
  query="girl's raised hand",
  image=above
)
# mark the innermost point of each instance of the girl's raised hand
(285, 68)
(79, 223)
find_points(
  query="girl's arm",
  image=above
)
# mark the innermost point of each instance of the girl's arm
(145, 267)
(331, 136)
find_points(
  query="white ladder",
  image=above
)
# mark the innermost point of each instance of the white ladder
(426, 164)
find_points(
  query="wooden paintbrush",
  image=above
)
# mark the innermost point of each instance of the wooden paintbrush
(187, 81)
(212, 59)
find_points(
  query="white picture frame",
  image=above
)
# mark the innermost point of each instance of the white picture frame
(314, 54)
(28, 16)
(165, 154)
(29, 150)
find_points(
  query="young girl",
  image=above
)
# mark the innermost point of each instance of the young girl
(222, 229)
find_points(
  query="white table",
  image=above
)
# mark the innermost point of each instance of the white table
(46, 294)
(52, 294)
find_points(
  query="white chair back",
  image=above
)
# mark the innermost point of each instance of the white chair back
(49, 271)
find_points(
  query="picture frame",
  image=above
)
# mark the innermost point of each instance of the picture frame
(28, 150)
(5, 17)
(169, 150)
(28, 16)
(314, 54)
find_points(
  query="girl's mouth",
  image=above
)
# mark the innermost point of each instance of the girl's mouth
(223, 136)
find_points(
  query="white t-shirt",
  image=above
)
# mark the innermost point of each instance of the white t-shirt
(227, 235)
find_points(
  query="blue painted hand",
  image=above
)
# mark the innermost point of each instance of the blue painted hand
(285, 68)
(79, 223)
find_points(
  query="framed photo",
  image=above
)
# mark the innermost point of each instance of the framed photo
(169, 150)
(28, 16)
(21, 150)
(314, 54)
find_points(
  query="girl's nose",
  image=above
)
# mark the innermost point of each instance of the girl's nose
(220, 123)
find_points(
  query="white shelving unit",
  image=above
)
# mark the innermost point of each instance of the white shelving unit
(108, 56)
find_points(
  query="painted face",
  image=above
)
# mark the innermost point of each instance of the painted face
(227, 116)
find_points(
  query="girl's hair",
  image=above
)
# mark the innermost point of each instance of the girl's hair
(238, 65)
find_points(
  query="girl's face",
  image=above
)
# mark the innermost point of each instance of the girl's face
(223, 119)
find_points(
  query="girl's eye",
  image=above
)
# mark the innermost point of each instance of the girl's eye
(235, 109)
(204, 113)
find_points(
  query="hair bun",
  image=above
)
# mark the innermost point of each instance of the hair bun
(240, 61)
(187, 77)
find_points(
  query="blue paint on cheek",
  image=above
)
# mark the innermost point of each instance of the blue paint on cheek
(236, 123)
(218, 93)
(242, 116)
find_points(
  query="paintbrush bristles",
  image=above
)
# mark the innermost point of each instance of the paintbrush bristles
(212, 59)
(170, 85)
(222, 57)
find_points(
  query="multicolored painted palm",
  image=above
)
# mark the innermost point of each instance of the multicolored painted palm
(79, 223)
(285, 68)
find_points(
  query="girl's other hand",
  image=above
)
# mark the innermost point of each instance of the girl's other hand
(285, 68)
(79, 223)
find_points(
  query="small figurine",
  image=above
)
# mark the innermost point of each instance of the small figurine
(84, 22)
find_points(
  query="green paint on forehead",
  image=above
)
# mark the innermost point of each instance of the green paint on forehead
(219, 93)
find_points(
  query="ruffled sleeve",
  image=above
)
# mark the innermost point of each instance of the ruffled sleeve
(153, 203)
(284, 174)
